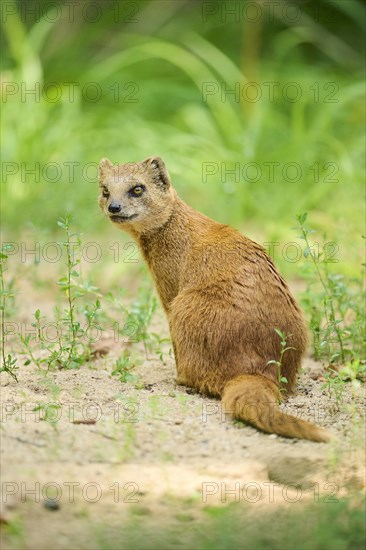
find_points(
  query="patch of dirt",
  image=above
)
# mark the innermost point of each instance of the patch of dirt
(80, 447)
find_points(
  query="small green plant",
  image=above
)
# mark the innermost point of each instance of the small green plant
(68, 286)
(92, 317)
(123, 369)
(28, 340)
(159, 343)
(280, 378)
(9, 363)
(51, 413)
(352, 372)
(137, 317)
(73, 342)
(335, 385)
(140, 315)
(334, 304)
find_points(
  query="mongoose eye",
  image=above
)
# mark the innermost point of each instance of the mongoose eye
(137, 191)
(105, 192)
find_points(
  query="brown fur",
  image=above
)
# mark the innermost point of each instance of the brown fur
(223, 297)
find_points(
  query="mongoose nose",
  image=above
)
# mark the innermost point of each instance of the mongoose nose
(114, 207)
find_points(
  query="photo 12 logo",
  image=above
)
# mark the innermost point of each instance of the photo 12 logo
(69, 491)
(69, 11)
(70, 92)
(270, 92)
(267, 11)
(269, 171)
(268, 491)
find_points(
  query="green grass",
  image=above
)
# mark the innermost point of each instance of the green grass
(8, 362)
(334, 303)
(321, 134)
(321, 526)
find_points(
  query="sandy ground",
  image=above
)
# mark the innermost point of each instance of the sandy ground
(81, 451)
(148, 445)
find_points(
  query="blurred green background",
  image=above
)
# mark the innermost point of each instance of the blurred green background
(257, 109)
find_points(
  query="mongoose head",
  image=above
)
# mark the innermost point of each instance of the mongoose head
(136, 197)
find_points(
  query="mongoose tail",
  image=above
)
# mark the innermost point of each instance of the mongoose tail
(254, 400)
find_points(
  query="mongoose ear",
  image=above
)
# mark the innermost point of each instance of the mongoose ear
(158, 171)
(104, 166)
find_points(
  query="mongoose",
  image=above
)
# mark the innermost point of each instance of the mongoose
(222, 295)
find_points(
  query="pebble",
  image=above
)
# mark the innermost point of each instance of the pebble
(51, 505)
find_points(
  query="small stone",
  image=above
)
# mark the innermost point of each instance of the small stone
(51, 505)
